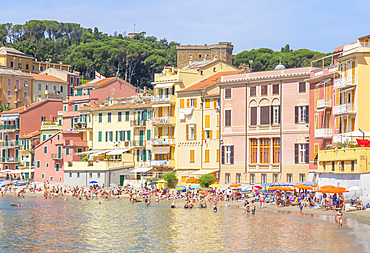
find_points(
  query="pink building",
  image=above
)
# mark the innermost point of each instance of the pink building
(51, 154)
(264, 126)
(23, 121)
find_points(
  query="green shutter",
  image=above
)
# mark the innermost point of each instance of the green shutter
(144, 116)
(149, 155)
(148, 135)
(106, 136)
(129, 135)
(116, 135)
(123, 136)
(144, 155)
(100, 136)
(137, 155)
(67, 151)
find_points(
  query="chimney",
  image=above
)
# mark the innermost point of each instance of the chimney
(145, 89)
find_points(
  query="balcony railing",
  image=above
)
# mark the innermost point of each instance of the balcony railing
(324, 133)
(56, 156)
(344, 109)
(80, 125)
(9, 127)
(159, 99)
(163, 141)
(345, 82)
(164, 121)
(9, 144)
(9, 160)
(138, 123)
(138, 143)
(162, 163)
(323, 103)
(77, 143)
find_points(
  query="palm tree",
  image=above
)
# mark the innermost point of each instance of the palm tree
(5, 107)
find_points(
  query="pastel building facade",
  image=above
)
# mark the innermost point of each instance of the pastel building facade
(72, 78)
(45, 86)
(265, 126)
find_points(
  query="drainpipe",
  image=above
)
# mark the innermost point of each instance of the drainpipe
(281, 130)
(201, 146)
(246, 129)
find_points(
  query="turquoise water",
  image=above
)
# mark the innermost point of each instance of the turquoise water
(54, 225)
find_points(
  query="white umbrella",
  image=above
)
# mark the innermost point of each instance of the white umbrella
(358, 133)
(353, 188)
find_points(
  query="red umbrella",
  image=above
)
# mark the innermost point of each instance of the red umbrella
(258, 187)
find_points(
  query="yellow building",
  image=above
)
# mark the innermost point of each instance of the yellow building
(46, 86)
(16, 88)
(27, 151)
(167, 108)
(17, 60)
(199, 120)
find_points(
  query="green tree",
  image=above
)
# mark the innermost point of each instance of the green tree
(206, 180)
(5, 107)
(170, 178)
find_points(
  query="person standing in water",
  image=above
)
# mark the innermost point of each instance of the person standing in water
(253, 207)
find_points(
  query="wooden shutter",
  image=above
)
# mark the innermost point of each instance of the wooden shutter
(218, 119)
(187, 131)
(210, 134)
(203, 134)
(159, 132)
(215, 102)
(264, 115)
(195, 131)
(172, 150)
(253, 116)
(227, 117)
(182, 103)
(195, 102)
(296, 146)
(307, 114)
(192, 160)
(271, 114)
(188, 102)
(206, 156)
(218, 134)
(159, 111)
(223, 154)
(307, 158)
(296, 110)
(279, 114)
(208, 103)
(207, 119)
(218, 155)
(231, 154)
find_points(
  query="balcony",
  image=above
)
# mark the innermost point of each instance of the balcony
(163, 141)
(345, 82)
(344, 109)
(56, 156)
(138, 123)
(52, 93)
(9, 144)
(51, 125)
(75, 143)
(17, 88)
(81, 125)
(164, 99)
(138, 143)
(323, 103)
(9, 160)
(162, 163)
(99, 165)
(164, 121)
(6, 128)
(324, 133)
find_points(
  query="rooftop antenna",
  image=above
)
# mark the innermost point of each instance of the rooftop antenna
(134, 27)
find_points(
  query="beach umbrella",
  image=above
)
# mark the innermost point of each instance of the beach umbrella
(248, 188)
(153, 183)
(112, 185)
(327, 186)
(353, 188)
(314, 185)
(93, 182)
(142, 181)
(196, 187)
(180, 188)
(258, 187)
(215, 185)
(235, 185)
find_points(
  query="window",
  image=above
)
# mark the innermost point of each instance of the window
(252, 91)
(289, 177)
(67, 151)
(100, 135)
(42, 175)
(9, 82)
(229, 157)
(38, 164)
(25, 95)
(119, 116)
(41, 68)
(253, 178)
(78, 174)
(70, 174)
(263, 178)
(90, 175)
(47, 165)
(45, 150)
(46, 87)
(207, 121)
(217, 155)
(109, 117)
(265, 151)
(227, 178)
(43, 118)
(227, 93)
(352, 166)
(182, 103)
(302, 177)
(207, 103)
(127, 116)
(100, 115)
(9, 93)
(275, 89)
(301, 153)
(254, 150)
(192, 156)
(76, 107)
(190, 56)
(192, 132)
(109, 136)
(276, 178)
(263, 90)
(57, 167)
(238, 178)
(227, 118)
(264, 115)
(301, 114)
(39, 86)
(276, 114)
(253, 116)
(65, 108)
(98, 175)
(302, 87)
(77, 81)
(200, 56)
(71, 80)
(61, 89)
(276, 150)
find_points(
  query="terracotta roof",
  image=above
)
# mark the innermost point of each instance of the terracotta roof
(97, 83)
(208, 82)
(11, 50)
(97, 108)
(213, 95)
(30, 135)
(25, 108)
(46, 78)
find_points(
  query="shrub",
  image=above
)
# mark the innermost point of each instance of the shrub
(84, 158)
(206, 180)
(171, 179)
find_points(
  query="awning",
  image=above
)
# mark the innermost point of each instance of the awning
(141, 170)
(203, 172)
(100, 152)
(118, 151)
(163, 85)
(87, 152)
(9, 118)
(18, 171)
(161, 150)
(161, 105)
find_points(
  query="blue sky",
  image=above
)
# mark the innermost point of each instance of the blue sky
(313, 24)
